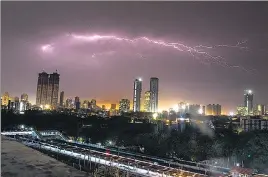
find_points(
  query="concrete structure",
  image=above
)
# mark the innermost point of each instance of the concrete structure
(147, 104)
(137, 95)
(47, 89)
(154, 94)
(5, 99)
(242, 110)
(248, 101)
(24, 97)
(62, 98)
(213, 109)
(77, 102)
(124, 105)
(253, 123)
(260, 110)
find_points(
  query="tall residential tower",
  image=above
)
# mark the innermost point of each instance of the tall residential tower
(154, 94)
(47, 89)
(137, 95)
(248, 101)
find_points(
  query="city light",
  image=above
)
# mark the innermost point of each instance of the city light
(155, 115)
(47, 106)
(231, 113)
(200, 111)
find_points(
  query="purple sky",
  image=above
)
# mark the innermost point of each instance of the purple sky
(104, 69)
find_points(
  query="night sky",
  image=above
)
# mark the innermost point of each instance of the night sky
(56, 35)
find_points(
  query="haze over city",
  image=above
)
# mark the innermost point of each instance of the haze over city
(99, 49)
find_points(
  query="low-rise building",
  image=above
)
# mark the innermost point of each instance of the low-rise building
(253, 123)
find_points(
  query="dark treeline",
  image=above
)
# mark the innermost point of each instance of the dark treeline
(247, 148)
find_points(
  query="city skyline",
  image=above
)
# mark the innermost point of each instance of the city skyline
(98, 70)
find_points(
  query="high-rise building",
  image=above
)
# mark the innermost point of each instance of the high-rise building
(17, 103)
(69, 103)
(5, 99)
(154, 94)
(53, 89)
(147, 98)
(260, 109)
(24, 97)
(47, 89)
(61, 98)
(203, 110)
(113, 106)
(85, 104)
(42, 86)
(124, 105)
(137, 95)
(248, 101)
(77, 102)
(213, 109)
(93, 104)
(242, 110)
(195, 109)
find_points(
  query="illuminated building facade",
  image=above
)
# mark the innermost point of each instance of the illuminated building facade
(69, 103)
(213, 109)
(248, 101)
(86, 104)
(17, 103)
(242, 110)
(137, 95)
(93, 104)
(154, 94)
(5, 99)
(260, 110)
(24, 97)
(195, 109)
(113, 106)
(147, 98)
(124, 105)
(112, 111)
(47, 89)
(62, 98)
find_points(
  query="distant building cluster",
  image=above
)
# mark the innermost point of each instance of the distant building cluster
(16, 104)
(48, 97)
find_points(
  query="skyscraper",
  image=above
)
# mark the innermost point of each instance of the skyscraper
(42, 86)
(17, 103)
(137, 95)
(47, 89)
(77, 102)
(154, 94)
(248, 101)
(53, 89)
(61, 98)
(24, 97)
(124, 105)
(69, 103)
(5, 99)
(147, 105)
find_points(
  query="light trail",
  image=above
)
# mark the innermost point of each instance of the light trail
(198, 52)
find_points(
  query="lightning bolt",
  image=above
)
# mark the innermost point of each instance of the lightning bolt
(94, 55)
(196, 52)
